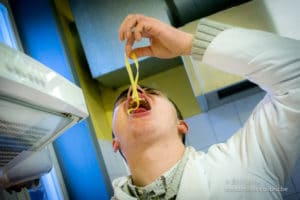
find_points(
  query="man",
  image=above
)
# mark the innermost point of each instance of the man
(255, 162)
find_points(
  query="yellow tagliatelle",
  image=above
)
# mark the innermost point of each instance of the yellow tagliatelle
(133, 81)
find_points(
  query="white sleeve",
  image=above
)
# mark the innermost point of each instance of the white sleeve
(271, 137)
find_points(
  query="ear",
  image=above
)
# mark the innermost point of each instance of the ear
(182, 127)
(115, 145)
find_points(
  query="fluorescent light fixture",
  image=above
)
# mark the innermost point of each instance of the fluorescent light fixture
(36, 106)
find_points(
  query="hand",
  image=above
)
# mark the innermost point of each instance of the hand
(165, 40)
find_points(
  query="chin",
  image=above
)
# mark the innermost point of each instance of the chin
(144, 131)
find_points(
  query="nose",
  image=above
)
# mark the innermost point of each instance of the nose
(133, 98)
(130, 94)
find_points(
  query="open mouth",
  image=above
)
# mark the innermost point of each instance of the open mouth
(138, 107)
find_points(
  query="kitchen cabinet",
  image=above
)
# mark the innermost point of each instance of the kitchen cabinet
(98, 24)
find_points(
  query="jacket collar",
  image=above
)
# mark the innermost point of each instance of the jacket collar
(193, 185)
(194, 182)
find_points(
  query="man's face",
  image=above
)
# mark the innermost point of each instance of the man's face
(154, 119)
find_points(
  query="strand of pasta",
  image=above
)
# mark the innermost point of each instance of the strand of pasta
(133, 81)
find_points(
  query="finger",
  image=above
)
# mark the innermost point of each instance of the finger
(128, 45)
(123, 27)
(125, 32)
(138, 30)
(127, 26)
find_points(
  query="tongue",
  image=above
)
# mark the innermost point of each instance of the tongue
(139, 110)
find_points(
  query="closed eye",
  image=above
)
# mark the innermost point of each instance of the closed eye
(152, 91)
(121, 100)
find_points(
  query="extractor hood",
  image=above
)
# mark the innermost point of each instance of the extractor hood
(36, 106)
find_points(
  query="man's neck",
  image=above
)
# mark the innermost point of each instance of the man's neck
(146, 165)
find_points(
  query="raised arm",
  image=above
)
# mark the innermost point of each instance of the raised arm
(270, 139)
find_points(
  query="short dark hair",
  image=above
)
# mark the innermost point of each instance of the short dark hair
(123, 94)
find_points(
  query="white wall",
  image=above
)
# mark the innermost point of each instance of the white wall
(285, 15)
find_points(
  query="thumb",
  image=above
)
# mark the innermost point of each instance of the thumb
(142, 52)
